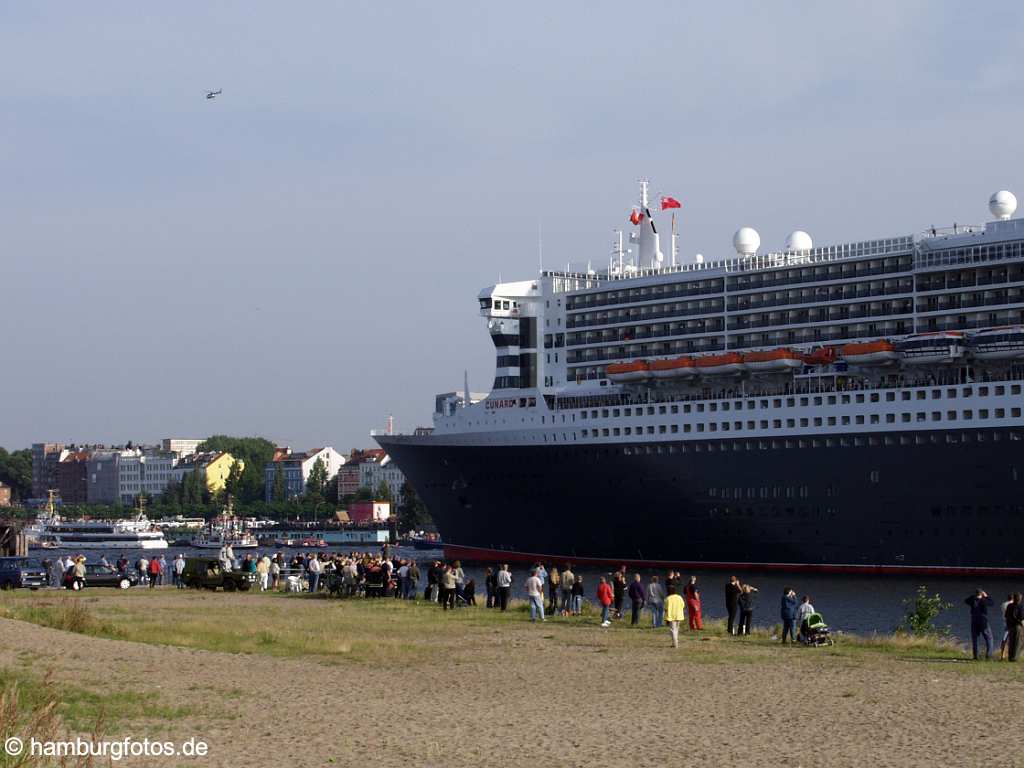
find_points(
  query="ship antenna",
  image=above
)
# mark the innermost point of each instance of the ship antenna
(643, 193)
(675, 239)
(540, 243)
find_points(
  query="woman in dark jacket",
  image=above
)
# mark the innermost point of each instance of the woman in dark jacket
(619, 590)
(746, 604)
(1014, 619)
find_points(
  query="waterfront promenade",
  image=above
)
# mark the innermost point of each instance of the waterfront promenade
(304, 681)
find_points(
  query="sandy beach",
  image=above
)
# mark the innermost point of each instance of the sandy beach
(515, 694)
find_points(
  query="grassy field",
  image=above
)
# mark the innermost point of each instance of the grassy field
(383, 631)
(243, 668)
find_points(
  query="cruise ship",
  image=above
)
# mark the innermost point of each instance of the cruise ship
(850, 408)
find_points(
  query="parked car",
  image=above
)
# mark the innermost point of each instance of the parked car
(97, 575)
(209, 573)
(18, 572)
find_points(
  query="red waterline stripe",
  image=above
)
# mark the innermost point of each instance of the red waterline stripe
(482, 554)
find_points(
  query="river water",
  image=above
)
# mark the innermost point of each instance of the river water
(861, 604)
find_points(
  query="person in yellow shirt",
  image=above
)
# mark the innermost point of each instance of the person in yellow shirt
(675, 613)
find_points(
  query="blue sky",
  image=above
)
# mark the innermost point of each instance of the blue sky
(301, 256)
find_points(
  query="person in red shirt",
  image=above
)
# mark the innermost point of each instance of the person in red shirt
(604, 597)
(692, 597)
(154, 572)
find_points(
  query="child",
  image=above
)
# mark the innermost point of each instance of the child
(675, 613)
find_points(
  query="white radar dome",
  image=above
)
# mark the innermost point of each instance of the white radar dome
(746, 241)
(1002, 204)
(798, 241)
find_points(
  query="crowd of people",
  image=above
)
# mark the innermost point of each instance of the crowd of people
(672, 601)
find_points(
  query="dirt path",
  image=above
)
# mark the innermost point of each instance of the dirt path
(544, 697)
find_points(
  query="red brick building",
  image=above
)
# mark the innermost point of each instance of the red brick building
(72, 478)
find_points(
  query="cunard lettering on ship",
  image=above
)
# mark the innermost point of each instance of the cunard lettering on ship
(504, 403)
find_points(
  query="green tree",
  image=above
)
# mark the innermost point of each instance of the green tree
(412, 514)
(922, 610)
(278, 483)
(383, 492)
(255, 453)
(317, 482)
(233, 482)
(16, 471)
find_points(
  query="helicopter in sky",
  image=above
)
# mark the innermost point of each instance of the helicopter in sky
(214, 94)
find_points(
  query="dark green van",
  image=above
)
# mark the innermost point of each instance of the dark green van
(209, 573)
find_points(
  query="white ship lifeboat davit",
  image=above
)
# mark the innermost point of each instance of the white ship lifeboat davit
(636, 370)
(938, 348)
(881, 352)
(773, 360)
(1006, 343)
(721, 365)
(673, 368)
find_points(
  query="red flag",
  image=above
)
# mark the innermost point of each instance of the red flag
(670, 202)
(636, 217)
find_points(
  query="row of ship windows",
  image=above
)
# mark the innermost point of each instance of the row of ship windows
(802, 335)
(927, 282)
(817, 421)
(752, 302)
(820, 273)
(968, 278)
(874, 476)
(817, 273)
(839, 441)
(984, 390)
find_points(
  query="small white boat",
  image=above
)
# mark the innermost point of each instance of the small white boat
(1005, 343)
(940, 348)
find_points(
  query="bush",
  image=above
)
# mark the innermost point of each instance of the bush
(922, 610)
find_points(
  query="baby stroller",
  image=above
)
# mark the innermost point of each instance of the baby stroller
(814, 631)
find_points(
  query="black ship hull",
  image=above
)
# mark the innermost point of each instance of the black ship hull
(937, 501)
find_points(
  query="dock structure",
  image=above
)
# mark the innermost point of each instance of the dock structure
(13, 542)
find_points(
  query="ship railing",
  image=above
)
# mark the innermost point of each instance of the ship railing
(813, 384)
(571, 281)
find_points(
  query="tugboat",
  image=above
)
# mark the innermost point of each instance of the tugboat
(225, 530)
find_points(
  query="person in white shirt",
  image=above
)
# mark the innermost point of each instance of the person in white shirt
(804, 610)
(314, 568)
(504, 586)
(179, 568)
(535, 594)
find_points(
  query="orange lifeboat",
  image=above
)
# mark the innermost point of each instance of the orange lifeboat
(773, 360)
(636, 370)
(676, 367)
(881, 352)
(720, 365)
(821, 356)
